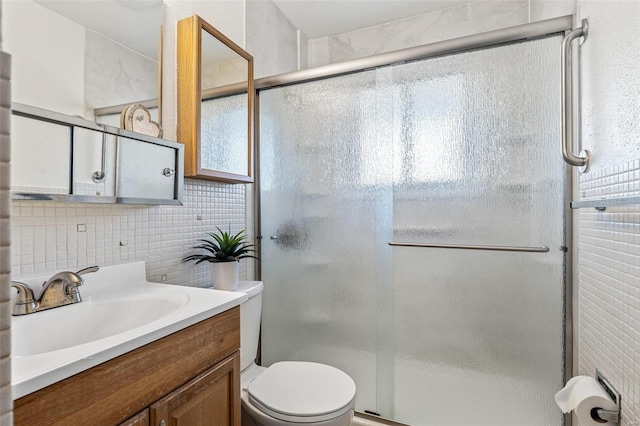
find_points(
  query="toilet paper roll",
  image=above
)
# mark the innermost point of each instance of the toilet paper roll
(581, 395)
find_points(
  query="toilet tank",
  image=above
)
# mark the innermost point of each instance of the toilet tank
(250, 314)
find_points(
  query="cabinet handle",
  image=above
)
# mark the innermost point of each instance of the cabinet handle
(168, 172)
(163, 423)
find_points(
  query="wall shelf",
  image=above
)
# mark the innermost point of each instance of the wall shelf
(603, 203)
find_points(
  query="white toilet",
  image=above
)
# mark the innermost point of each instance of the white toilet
(287, 392)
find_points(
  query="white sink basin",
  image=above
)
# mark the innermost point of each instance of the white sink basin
(120, 312)
(85, 322)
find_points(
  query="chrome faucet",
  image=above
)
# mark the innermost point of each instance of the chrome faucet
(59, 290)
(25, 302)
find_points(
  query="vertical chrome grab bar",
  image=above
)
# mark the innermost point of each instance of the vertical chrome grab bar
(568, 138)
(98, 177)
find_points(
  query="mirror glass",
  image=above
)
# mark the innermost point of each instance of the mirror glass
(43, 164)
(73, 56)
(215, 105)
(223, 127)
(76, 58)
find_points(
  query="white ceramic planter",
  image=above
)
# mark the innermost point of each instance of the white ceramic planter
(224, 275)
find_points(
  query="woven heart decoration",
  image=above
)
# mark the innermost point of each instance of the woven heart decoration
(137, 118)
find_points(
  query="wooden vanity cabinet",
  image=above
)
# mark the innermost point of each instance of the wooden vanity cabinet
(191, 377)
(140, 419)
(208, 396)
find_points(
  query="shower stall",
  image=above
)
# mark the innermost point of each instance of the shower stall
(414, 228)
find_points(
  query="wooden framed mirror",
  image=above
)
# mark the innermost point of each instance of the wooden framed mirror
(215, 103)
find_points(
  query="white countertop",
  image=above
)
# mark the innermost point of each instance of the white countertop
(112, 289)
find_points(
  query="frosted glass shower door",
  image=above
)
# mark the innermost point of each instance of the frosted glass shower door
(461, 149)
(479, 336)
(325, 182)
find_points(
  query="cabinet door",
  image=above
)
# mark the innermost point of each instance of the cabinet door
(94, 154)
(145, 170)
(211, 399)
(140, 419)
(40, 156)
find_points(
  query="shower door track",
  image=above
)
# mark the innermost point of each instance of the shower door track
(440, 48)
(494, 38)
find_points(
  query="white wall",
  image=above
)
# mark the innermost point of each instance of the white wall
(44, 75)
(62, 66)
(611, 81)
(6, 403)
(271, 39)
(456, 21)
(608, 252)
(115, 74)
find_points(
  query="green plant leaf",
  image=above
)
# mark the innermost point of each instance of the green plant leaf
(222, 247)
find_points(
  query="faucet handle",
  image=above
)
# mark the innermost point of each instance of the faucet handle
(88, 270)
(26, 301)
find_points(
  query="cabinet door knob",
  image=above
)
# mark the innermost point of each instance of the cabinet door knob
(168, 172)
(163, 423)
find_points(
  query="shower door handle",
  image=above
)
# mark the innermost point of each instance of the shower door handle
(539, 249)
(289, 235)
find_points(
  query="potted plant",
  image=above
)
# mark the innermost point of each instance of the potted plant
(223, 252)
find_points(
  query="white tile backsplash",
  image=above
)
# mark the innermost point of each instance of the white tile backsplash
(6, 418)
(619, 181)
(49, 237)
(609, 284)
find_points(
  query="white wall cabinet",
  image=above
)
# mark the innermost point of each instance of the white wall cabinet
(63, 158)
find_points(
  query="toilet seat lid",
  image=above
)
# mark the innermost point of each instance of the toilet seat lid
(303, 392)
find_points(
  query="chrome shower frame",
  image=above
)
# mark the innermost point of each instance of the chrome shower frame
(560, 25)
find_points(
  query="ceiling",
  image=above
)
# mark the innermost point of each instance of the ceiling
(135, 23)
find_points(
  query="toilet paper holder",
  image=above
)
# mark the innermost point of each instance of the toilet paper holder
(600, 415)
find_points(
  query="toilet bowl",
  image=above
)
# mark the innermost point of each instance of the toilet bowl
(287, 392)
